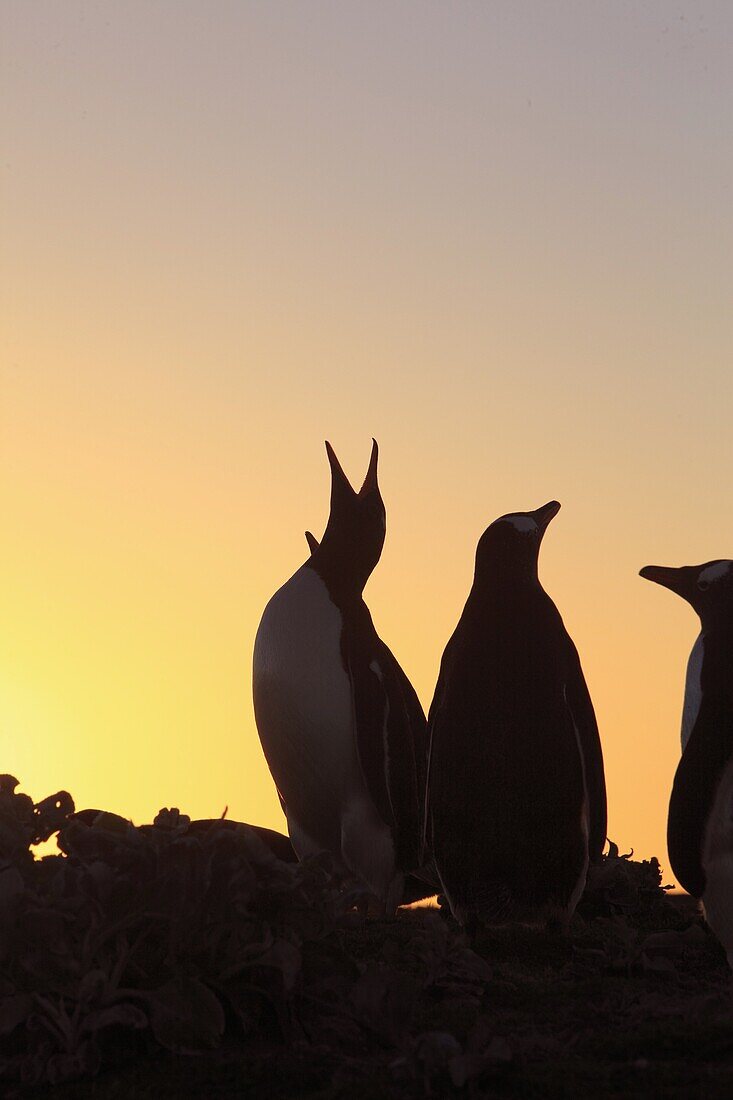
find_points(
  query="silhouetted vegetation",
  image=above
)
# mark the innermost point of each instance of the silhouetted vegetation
(184, 959)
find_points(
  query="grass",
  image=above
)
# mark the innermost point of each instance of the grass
(135, 944)
(621, 1007)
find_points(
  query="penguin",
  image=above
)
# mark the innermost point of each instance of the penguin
(516, 798)
(700, 819)
(341, 726)
(423, 883)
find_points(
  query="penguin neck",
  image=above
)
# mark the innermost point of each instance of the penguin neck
(716, 638)
(507, 586)
(345, 585)
(718, 627)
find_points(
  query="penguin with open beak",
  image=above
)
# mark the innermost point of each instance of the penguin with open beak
(341, 727)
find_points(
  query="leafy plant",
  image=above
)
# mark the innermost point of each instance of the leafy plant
(165, 928)
(195, 939)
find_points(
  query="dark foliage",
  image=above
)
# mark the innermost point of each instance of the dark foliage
(184, 959)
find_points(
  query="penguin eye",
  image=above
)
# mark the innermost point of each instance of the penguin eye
(703, 585)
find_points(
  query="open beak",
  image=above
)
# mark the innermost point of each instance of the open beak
(340, 484)
(370, 481)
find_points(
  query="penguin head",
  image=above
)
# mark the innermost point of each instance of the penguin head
(510, 545)
(352, 542)
(708, 588)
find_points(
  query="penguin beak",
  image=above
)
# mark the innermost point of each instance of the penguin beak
(340, 484)
(312, 541)
(674, 579)
(543, 515)
(370, 481)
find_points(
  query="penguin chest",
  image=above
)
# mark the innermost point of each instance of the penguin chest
(693, 690)
(302, 691)
(305, 712)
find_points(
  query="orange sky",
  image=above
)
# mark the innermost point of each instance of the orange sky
(495, 236)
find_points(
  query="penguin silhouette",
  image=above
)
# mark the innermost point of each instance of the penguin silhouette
(516, 800)
(341, 727)
(700, 821)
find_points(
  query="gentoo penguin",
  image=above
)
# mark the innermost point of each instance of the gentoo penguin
(423, 884)
(516, 800)
(700, 822)
(341, 727)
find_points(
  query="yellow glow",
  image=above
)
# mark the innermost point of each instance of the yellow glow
(499, 245)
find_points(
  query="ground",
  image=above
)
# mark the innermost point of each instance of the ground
(618, 1008)
(187, 959)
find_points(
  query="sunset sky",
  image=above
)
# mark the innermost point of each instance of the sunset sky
(497, 236)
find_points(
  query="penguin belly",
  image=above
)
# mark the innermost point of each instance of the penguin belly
(717, 898)
(305, 717)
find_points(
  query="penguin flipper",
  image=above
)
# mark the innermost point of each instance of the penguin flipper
(696, 782)
(417, 723)
(419, 728)
(385, 745)
(370, 720)
(406, 760)
(584, 718)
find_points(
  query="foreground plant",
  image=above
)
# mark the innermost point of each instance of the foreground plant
(160, 928)
(192, 937)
